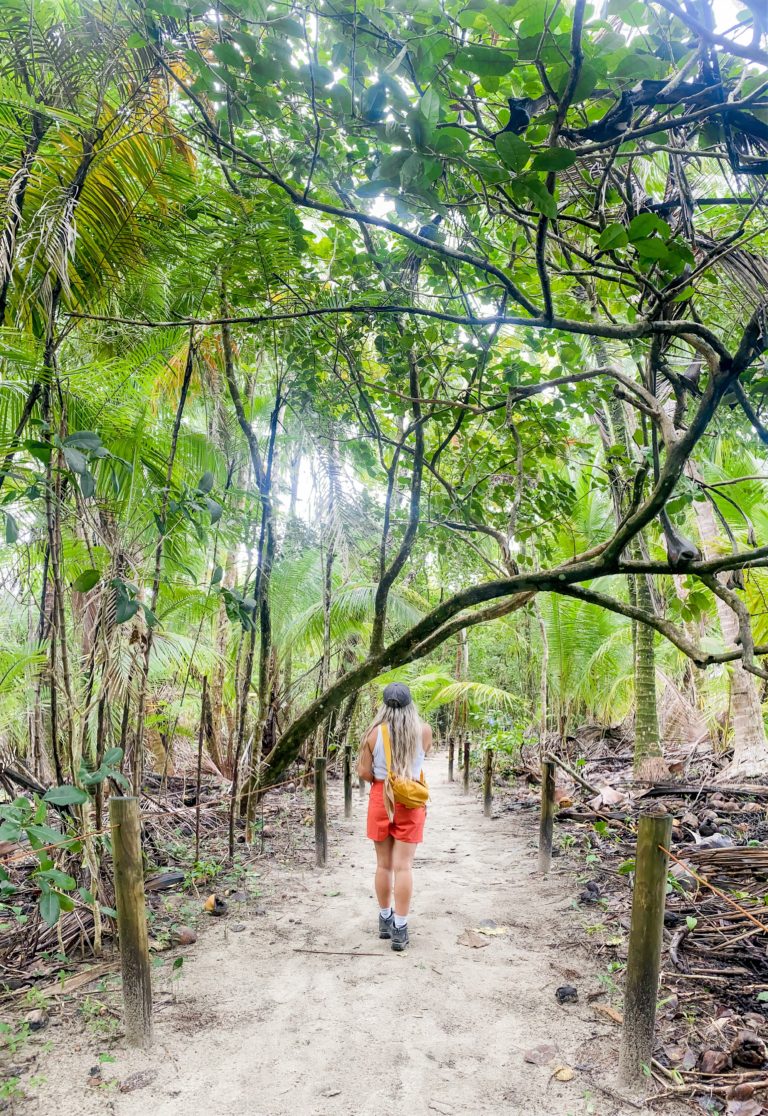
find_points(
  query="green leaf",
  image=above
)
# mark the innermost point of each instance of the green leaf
(555, 159)
(87, 484)
(44, 835)
(484, 60)
(49, 907)
(57, 878)
(135, 41)
(248, 43)
(686, 292)
(644, 224)
(206, 482)
(217, 576)
(652, 248)
(227, 54)
(430, 105)
(86, 581)
(87, 440)
(39, 450)
(75, 460)
(65, 795)
(11, 529)
(540, 196)
(514, 151)
(613, 236)
(691, 922)
(378, 186)
(149, 616)
(215, 510)
(452, 141)
(125, 609)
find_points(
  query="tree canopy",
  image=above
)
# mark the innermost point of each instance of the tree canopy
(333, 331)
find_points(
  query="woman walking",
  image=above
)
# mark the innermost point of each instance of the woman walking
(391, 758)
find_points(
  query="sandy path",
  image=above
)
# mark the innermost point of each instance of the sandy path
(261, 1030)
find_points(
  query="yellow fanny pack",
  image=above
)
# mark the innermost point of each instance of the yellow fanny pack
(408, 792)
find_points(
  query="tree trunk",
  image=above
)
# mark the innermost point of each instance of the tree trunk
(649, 763)
(750, 747)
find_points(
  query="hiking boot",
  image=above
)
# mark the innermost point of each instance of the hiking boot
(399, 937)
(386, 925)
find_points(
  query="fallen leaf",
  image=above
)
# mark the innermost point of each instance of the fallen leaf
(563, 1073)
(745, 1090)
(472, 939)
(439, 1106)
(682, 1056)
(748, 1049)
(138, 1080)
(611, 1013)
(184, 935)
(540, 1055)
(714, 1061)
(744, 1108)
(492, 931)
(80, 980)
(611, 797)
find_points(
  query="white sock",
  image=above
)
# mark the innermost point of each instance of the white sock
(401, 921)
(385, 912)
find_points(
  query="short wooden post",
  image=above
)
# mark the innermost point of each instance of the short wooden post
(654, 832)
(547, 823)
(488, 782)
(451, 752)
(347, 780)
(131, 919)
(321, 813)
(466, 767)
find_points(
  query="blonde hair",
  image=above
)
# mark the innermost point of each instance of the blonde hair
(404, 734)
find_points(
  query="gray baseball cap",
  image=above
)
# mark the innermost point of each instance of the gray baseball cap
(397, 695)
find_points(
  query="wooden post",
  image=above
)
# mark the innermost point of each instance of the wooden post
(547, 823)
(466, 768)
(451, 751)
(131, 919)
(654, 832)
(347, 780)
(321, 813)
(488, 782)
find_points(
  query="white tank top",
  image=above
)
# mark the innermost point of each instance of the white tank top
(380, 763)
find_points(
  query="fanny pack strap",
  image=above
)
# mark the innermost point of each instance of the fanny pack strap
(387, 747)
(388, 751)
(389, 797)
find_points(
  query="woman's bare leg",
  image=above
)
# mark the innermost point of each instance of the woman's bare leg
(384, 871)
(402, 864)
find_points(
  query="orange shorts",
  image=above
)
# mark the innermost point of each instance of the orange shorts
(407, 824)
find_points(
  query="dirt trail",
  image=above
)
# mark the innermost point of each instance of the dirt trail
(259, 1029)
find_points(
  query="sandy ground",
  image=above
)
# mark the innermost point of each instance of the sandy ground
(259, 1029)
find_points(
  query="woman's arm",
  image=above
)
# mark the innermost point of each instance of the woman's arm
(426, 738)
(365, 760)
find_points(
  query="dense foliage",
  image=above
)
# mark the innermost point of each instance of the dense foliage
(340, 337)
